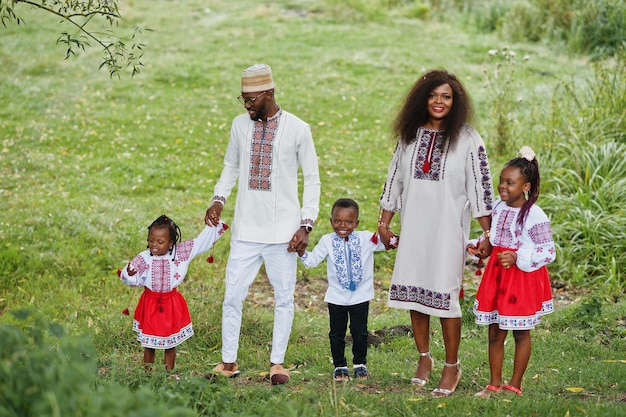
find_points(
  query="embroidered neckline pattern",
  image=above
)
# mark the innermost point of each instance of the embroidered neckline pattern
(161, 275)
(429, 154)
(261, 153)
(348, 262)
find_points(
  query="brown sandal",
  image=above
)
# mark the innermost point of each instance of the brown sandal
(222, 371)
(279, 375)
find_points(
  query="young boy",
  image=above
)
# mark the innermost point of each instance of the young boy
(350, 269)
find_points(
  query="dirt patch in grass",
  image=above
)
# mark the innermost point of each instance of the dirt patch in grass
(310, 291)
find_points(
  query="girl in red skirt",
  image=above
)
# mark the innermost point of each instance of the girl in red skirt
(515, 289)
(162, 318)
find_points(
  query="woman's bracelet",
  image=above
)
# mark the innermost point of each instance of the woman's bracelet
(486, 233)
(383, 224)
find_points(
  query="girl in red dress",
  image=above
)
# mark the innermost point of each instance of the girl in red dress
(515, 289)
(162, 319)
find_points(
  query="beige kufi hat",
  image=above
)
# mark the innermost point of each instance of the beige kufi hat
(257, 78)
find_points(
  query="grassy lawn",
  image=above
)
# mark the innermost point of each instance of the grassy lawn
(87, 162)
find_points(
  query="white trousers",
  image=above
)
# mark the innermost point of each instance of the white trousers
(244, 262)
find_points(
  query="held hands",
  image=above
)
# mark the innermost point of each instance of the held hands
(481, 250)
(299, 242)
(213, 213)
(473, 250)
(507, 258)
(389, 238)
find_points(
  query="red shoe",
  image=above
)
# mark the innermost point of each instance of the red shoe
(488, 391)
(517, 391)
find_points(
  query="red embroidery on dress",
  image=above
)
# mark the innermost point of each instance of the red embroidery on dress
(429, 154)
(140, 265)
(428, 159)
(504, 237)
(540, 233)
(161, 275)
(183, 250)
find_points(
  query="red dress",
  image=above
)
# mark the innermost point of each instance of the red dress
(517, 297)
(162, 319)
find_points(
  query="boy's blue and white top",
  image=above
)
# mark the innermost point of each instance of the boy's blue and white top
(349, 266)
(162, 273)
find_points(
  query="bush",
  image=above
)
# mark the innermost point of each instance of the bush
(594, 27)
(44, 372)
(589, 27)
(585, 183)
(586, 197)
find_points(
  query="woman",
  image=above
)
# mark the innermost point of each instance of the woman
(438, 174)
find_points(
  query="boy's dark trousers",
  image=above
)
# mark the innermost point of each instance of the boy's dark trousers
(358, 315)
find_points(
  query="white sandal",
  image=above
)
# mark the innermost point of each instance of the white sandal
(420, 382)
(445, 392)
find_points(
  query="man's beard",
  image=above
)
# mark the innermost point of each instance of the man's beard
(259, 114)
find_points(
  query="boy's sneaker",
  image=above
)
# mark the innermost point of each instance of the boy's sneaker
(341, 374)
(360, 372)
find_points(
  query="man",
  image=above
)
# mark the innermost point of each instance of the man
(266, 149)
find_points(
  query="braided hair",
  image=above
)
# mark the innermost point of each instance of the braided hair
(530, 171)
(175, 233)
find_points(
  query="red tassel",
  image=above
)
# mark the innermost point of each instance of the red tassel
(461, 294)
(426, 167)
(211, 258)
(125, 311)
(479, 272)
(374, 239)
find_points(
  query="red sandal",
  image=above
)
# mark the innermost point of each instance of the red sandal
(517, 391)
(488, 391)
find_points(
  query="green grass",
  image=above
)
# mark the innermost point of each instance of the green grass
(87, 162)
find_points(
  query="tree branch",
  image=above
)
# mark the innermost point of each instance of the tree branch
(115, 52)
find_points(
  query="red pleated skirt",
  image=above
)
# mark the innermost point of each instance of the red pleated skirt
(162, 319)
(512, 298)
